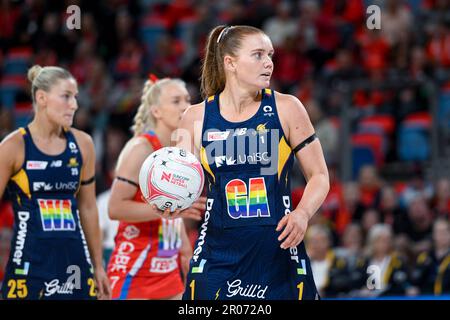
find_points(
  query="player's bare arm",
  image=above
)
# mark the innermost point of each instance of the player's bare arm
(298, 128)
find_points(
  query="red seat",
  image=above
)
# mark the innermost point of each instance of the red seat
(17, 81)
(385, 122)
(419, 119)
(374, 141)
(20, 53)
(23, 106)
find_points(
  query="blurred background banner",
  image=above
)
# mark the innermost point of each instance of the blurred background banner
(376, 87)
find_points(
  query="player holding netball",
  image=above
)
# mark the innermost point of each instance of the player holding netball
(148, 250)
(250, 244)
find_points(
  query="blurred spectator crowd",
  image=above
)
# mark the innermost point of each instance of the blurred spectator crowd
(383, 232)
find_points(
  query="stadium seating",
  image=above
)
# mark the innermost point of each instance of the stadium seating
(413, 137)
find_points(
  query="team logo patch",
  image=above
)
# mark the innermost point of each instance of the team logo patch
(36, 165)
(240, 132)
(131, 232)
(218, 135)
(73, 147)
(42, 186)
(56, 164)
(268, 111)
(221, 160)
(261, 128)
(73, 163)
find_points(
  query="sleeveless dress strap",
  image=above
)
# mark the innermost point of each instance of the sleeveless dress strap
(152, 138)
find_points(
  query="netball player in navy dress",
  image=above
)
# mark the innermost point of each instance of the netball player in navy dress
(246, 135)
(49, 171)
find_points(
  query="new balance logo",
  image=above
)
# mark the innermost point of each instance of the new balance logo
(240, 132)
(56, 164)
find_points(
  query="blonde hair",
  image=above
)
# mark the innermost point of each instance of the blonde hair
(43, 78)
(374, 233)
(316, 229)
(222, 40)
(144, 119)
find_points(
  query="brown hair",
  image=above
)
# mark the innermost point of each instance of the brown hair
(44, 78)
(144, 120)
(222, 40)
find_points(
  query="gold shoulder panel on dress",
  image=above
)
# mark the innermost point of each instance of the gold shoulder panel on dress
(284, 151)
(21, 179)
(23, 131)
(204, 162)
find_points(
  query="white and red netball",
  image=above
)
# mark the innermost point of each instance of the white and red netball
(171, 178)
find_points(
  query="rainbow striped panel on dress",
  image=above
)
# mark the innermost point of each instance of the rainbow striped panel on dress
(56, 215)
(243, 205)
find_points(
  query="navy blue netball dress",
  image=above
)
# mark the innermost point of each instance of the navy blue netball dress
(49, 256)
(237, 255)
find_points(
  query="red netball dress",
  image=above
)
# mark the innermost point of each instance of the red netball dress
(144, 263)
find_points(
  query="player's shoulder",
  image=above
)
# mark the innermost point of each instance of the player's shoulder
(12, 149)
(287, 101)
(194, 112)
(140, 142)
(82, 137)
(289, 107)
(138, 146)
(133, 154)
(13, 141)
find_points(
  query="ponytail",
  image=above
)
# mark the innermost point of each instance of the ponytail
(143, 117)
(222, 40)
(213, 74)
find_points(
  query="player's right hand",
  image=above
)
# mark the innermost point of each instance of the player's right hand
(194, 212)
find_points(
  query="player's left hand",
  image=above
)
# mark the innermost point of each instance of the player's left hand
(294, 224)
(102, 284)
